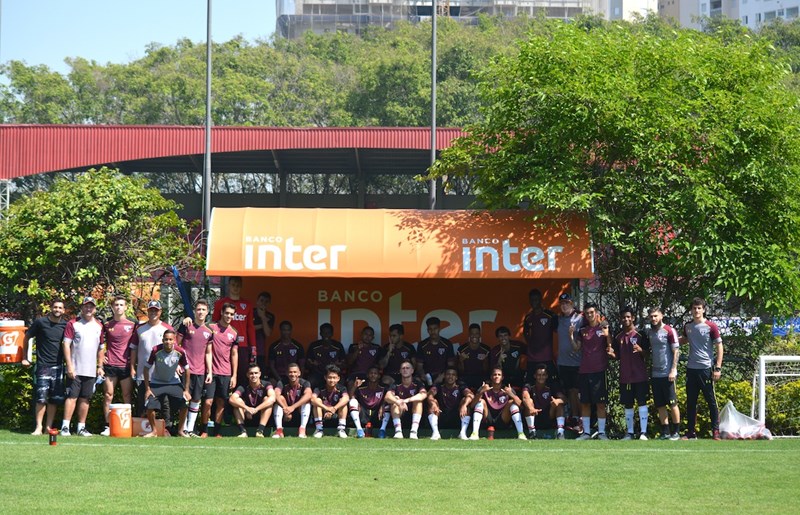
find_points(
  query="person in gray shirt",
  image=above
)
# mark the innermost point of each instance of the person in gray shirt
(664, 352)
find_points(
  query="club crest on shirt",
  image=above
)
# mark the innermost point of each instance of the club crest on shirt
(230, 337)
(332, 354)
(514, 354)
(502, 399)
(242, 305)
(292, 352)
(206, 334)
(543, 321)
(128, 328)
(634, 339)
(599, 332)
(441, 352)
(372, 352)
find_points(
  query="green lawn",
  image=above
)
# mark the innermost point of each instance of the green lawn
(381, 476)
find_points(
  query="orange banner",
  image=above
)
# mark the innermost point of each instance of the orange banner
(383, 243)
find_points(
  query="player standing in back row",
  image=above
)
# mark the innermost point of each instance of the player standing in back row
(665, 350)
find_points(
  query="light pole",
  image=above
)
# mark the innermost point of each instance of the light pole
(206, 183)
(432, 184)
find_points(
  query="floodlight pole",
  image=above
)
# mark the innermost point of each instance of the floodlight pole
(432, 184)
(206, 184)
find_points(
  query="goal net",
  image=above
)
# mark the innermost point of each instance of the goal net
(776, 399)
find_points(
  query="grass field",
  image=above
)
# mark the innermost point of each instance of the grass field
(332, 475)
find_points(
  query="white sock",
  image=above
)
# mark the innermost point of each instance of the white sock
(355, 415)
(65, 424)
(396, 422)
(434, 421)
(278, 415)
(305, 414)
(191, 417)
(629, 419)
(516, 418)
(464, 424)
(415, 418)
(477, 417)
(643, 415)
(529, 422)
(385, 421)
(601, 425)
(318, 423)
(560, 423)
(80, 427)
(342, 423)
(586, 421)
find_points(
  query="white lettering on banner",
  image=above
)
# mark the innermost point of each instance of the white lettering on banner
(314, 257)
(349, 296)
(530, 258)
(263, 239)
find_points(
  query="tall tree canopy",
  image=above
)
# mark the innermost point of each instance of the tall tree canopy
(680, 148)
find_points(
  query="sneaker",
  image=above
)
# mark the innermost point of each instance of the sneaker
(243, 434)
(359, 433)
(84, 432)
(301, 433)
(560, 436)
(382, 433)
(602, 436)
(413, 435)
(675, 436)
(474, 436)
(628, 436)
(716, 435)
(259, 434)
(436, 436)
(689, 436)
(106, 431)
(65, 431)
(398, 435)
(193, 435)
(317, 433)
(643, 437)
(463, 436)
(664, 436)
(278, 433)
(342, 433)
(532, 435)
(584, 436)
(521, 436)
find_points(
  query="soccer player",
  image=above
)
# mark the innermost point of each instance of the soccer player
(630, 347)
(291, 397)
(263, 324)
(162, 382)
(83, 338)
(448, 405)
(321, 353)
(496, 405)
(704, 367)
(569, 361)
(253, 401)
(148, 335)
(48, 333)
(406, 397)
(473, 359)
(366, 402)
(224, 363)
(594, 343)
(116, 356)
(394, 353)
(665, 351)
(543, 405)
(509, 356)
(242, 323)
(195, 339)
(434, 353)
(283, 352)
(362, 355)
(540, 325)
(330, 401)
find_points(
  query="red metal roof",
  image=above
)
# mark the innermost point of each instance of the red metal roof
(32, 149)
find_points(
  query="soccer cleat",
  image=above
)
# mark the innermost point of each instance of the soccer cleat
(106, 431)
(584, 436)
(301, 432)
(463, 436)
(602, 436)
(259, 434)
(474, 436)
(278, 433)
(560, 436)
(628, 436)
(318, 433)
(398, 435)
(243, 434)
(532, 435)
(689, 436)
(84, 432)
(436, 436)
(521, 436)
(382, 433)
(675, 436)
(359, 433)
(65, 431)
(643, 437)
(342, 433)
(413, 435)
(716, 435)
(664, 436)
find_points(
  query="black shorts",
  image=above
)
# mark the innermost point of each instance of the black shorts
(197, 385)
(543, 421)
(494, 417)
(219, 387)
(450, 419)
(118, 372)
(173, 392)
(592, 388)
(49, 384)
(639, 392)
(368, 415)
(81, 387)
(663, 392)
(568, 377)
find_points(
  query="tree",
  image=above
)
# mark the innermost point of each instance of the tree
(102, 230)
(679, 148)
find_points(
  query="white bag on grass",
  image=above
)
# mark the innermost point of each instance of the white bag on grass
(736, 426)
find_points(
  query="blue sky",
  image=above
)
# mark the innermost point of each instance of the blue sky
(117, 31)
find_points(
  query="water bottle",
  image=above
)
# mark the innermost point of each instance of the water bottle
(368, 431)
(53, 432)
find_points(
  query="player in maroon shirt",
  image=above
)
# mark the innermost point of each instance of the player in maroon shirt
(292, 396)
(195, 339)
(541, 326)
(448, 405)
(630, 347)
(394, 353)
(251, 400)
(242, 322)
(594, 342)
(509, 355)
(405, 397)
(543, 405)
(116, 356)
(224, 363)
(321, 353)
(473, 359)
(330, 401)
(283, 352)
(362, 355)
(496, 405)
(434, 353)
(367, 402)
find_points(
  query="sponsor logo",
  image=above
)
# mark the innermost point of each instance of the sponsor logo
(280, 254)
(513, 259)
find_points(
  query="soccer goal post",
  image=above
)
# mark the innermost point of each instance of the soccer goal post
(775, 377)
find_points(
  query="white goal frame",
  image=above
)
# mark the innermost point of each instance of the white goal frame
(761, 377)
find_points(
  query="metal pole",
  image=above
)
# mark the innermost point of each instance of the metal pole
(432, 184)
(207, 157)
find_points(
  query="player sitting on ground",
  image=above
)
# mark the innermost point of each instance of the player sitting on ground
(497, 406)
(291, 397)
(162, 384)
(448, 405)
(330, 401)
(542, 405)
(253, 401)
(366, 402)
(405, 397)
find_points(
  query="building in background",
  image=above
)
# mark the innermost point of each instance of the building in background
(751, 13)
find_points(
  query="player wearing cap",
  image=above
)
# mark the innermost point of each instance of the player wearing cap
(395, 352)
(543, 406)
(148, 335)
(224, 363)
(509, 356)
(329, 403)
(366, 402)
(292, 396)
(448, 405)
(48, 333)
(283, 352)
(704, 367)
(540, 326)
(116, 356)
(253, 401)
(665, 351)
(569, 361)
(321, 353)
(594, 343)
(630, 347)
(83, 339)
(496, 405)
(195, 339)
(434, 353)
(162, 382)
(406, 397)
(473, 359)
